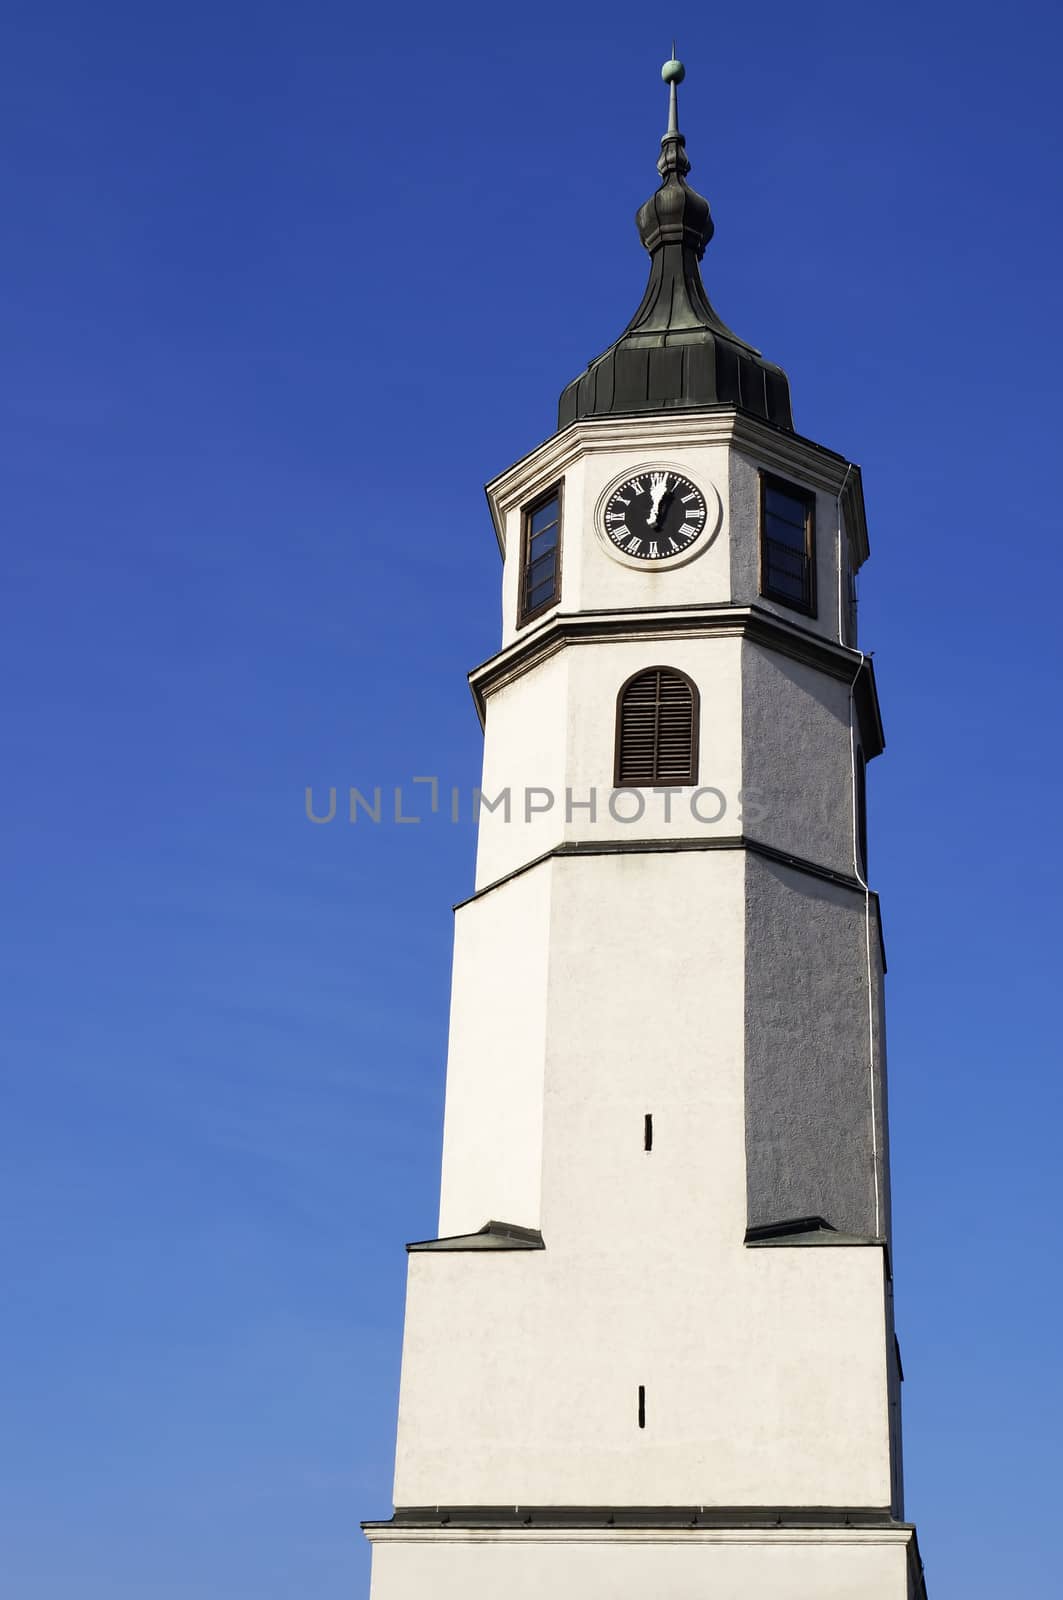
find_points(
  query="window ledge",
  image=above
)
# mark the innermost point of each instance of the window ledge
(492, 1236)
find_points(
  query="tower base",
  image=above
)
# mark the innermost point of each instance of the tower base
(684, 1553)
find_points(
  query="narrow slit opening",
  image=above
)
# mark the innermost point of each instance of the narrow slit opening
(642, 1405)
(647, 1131)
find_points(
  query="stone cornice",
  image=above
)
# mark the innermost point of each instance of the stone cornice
(688, 622)
(642, 847)
(584, 849)
(453, 1531)
(708, 1525)
(660, 431)
(586, 1518)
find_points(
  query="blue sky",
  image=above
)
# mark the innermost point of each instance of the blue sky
(282, 287)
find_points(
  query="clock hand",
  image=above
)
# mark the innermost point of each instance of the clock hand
(658, 491)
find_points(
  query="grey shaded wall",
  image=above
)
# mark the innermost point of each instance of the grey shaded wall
(811, 1148)
(796, 755)
(744, 509)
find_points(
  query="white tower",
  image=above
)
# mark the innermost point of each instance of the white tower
(651, 1350)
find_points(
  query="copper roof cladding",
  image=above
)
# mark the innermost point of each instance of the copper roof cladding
(676, 353)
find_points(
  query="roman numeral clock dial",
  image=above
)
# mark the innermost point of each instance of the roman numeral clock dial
(656, 516)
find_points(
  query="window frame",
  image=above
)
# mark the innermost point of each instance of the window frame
(795, 491)
(695, 731)
(556, 492)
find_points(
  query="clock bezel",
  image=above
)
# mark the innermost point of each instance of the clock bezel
(713, 518)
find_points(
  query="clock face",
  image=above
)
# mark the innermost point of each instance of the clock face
(655, 515)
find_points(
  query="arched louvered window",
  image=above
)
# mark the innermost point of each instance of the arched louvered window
(656, 729)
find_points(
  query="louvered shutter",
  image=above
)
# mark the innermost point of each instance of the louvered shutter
(656, 729)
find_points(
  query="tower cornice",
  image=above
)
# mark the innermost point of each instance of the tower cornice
(560, 631)
(786, 452)
(628, 1525)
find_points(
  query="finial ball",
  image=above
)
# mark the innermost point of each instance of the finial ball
(673, 71)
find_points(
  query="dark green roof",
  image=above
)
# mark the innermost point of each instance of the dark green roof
(676, 353)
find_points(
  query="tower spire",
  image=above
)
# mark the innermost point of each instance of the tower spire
(673, 72)
(676, 352)
(675, 205)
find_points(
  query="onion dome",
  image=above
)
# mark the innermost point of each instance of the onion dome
(676, 353)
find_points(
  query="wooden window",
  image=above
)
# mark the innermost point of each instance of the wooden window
(540, 555)
(788, 544)
(656, 729)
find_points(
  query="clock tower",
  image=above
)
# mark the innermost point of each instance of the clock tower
(650, 1349)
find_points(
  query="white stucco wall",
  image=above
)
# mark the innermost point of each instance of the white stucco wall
(726, 458)
(764, 1373)
(554, 729)
(525, 748)
(492, 1132)
(764, 1369)
(771, 728)
(591, 579)
(788, 1565)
